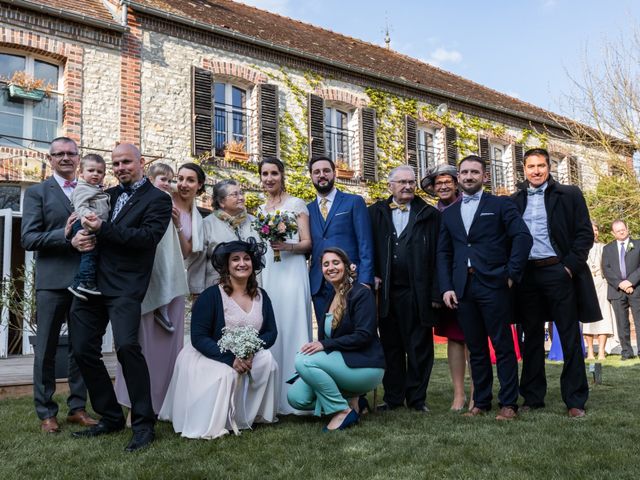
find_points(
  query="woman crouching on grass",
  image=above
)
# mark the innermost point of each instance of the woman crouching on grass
(347, 360)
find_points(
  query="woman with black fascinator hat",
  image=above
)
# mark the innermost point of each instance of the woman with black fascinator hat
(209, 393)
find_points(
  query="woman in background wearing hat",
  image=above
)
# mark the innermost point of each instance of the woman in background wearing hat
(442, 181)
(208, 395)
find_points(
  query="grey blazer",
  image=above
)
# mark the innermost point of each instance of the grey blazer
(45, 212)
(611, 268)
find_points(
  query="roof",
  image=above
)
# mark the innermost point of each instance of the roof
(92, 12)
(335, 47)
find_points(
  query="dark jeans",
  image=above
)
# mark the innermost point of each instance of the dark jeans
(87, 271)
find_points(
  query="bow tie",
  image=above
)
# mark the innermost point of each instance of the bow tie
(70, 183)
(400, 206)
(535, 191)
(126, 189)
(471, 198)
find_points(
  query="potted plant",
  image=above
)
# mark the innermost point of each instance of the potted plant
(235, 151)
(22, 85)
(343, 170)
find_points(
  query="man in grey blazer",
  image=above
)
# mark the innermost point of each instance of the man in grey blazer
(45, 228)
(621, 269)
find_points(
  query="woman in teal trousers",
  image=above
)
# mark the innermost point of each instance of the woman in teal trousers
(347, 360)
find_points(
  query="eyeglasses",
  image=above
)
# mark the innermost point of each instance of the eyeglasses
(448, 183)
(406, 183)
(235, 195)
(61, 155)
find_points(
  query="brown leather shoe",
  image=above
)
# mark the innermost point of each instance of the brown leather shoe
(81, 417)
(50, 425)
(506, 413)
(577, 413)
(474, 412)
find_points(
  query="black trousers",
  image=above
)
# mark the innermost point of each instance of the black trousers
(408, 352)
(486, 312)
(548, 294)
(53, 310)
(621, 310)
(88, 324)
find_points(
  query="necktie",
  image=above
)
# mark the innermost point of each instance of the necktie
(70, 183)
(471, 198)
(323, 208)
(535, 191)
(623, 267)
(400, 206)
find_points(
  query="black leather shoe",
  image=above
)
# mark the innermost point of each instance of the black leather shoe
(627, 357)
(96, 431)
(422, 409)
(385, 407)
(140, 439)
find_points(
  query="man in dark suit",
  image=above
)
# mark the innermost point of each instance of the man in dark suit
(140, 214)
(336, 219)
(45, 228)
(482, 252)
(621, 268)
(406, 230)
(557, 285)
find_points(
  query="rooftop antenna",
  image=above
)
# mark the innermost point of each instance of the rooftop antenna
(387, 37)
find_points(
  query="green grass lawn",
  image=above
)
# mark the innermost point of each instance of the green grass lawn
(401, 444)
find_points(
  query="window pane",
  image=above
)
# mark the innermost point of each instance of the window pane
(238, 126)
(45, 131)
(327, 117)
(219, 93)
(10, 64)
(11, 105)
(497, 153)
(47, 72)
(238, 97)
(341, 119)
(10, 125)
(46, 109)
(220, 130)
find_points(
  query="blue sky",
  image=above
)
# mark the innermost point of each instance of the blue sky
(525, 48)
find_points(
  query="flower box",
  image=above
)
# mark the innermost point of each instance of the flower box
(344, 173)
(237, 157)
(35, 94)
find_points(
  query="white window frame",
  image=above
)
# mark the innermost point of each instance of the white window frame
(331, 150)
(229, 110)
(429, 159)
(497, 166)
(27, 125)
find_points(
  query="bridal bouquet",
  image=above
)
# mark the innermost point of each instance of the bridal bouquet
(275, 227)
(241, 341)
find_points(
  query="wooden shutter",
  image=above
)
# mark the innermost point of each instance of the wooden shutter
(411, 142)
(450, 137)
(518, 164)
(315, 106)
(201, 111)
(268, 120)
(484, 151)
(574, 170)
(368, 143)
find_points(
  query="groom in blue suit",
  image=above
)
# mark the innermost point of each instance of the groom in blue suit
(482, 251)
(337, 219)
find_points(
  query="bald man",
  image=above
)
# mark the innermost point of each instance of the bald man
(140, 214)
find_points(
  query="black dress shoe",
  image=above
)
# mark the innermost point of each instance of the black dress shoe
(627, 357)
(96, 431)
(385, 407)
(422, 409)
(140, 439)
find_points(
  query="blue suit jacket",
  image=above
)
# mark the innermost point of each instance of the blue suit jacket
(498, 245)
(347, 227)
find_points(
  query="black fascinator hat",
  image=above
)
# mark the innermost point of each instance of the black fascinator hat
(256, 250)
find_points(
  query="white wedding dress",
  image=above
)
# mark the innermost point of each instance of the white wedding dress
(287, 284)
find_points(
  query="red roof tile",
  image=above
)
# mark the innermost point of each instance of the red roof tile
(91, 9)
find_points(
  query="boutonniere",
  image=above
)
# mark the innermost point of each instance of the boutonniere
(630, 247)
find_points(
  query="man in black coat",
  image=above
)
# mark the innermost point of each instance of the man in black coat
(557, 284)
(405, 236)
(140, 214)
(621, 268)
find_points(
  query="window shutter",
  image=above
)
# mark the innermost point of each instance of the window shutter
(574, 171)
(315, 106)
(268, 120)
(485, 154)
(201, 111)
(411, 142)
(368, 143)
(452, 151)
(518, 163)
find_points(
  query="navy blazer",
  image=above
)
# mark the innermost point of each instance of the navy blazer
(498, 245)
(207, 321)
(347, 227)
(357, 334)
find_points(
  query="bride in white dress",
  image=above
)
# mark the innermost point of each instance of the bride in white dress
(287, 281)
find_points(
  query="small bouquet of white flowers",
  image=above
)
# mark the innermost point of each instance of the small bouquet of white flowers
(241, 341)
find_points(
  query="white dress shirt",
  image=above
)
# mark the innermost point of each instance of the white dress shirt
(61, 181)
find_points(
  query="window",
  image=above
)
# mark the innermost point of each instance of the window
(230, 119)
(28, 122)
(337, 136)
(426, 151)
(498, 168)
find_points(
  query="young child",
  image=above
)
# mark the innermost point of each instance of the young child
(161, 175)
(88, 198)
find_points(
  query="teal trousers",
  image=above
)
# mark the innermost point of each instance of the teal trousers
(326, 382)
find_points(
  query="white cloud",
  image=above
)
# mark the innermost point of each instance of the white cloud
(441, 56)
(274, 6)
